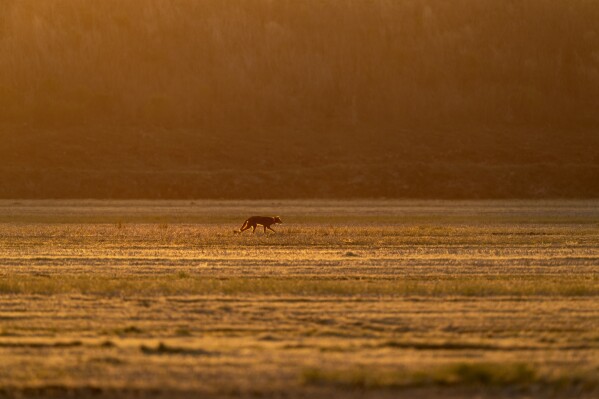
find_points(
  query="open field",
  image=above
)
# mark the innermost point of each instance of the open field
(378, 299)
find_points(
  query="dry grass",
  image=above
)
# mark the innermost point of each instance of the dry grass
(185, 284)
(429, 299)
(519, 375)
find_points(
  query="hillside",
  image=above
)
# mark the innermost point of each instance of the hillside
(276, 99)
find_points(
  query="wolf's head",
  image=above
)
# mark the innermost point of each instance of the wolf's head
(278, 219)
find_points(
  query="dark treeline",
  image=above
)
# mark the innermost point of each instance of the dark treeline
(165, 86)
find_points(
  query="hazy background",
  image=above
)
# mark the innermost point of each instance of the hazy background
(288, 98)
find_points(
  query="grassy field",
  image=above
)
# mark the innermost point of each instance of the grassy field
(378, 299)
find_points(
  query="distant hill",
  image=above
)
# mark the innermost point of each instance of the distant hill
(278, 99)
(158, 163)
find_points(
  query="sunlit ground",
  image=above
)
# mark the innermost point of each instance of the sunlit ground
(362, 298)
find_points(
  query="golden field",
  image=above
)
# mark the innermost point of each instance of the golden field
(384, 299)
